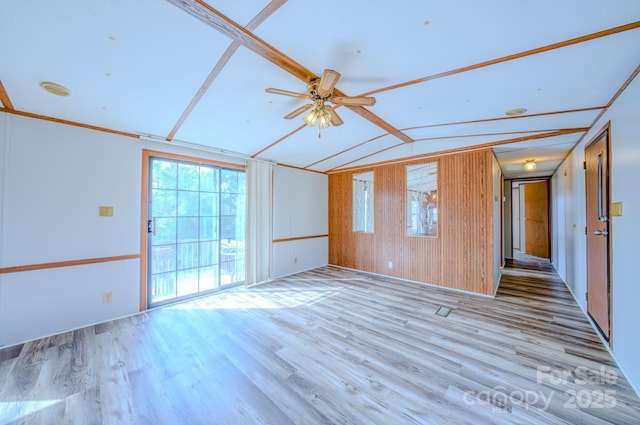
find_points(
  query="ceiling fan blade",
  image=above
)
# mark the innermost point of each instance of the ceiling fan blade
(354, 100)
(335, 118)
(327, 82)
(298, 111)
(287, 93)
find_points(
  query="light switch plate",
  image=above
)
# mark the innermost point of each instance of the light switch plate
(105, 211)
(616, 209)
(107, 298)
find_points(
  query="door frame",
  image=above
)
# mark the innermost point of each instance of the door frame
(510, 222)
(144, 206)
(605, 131)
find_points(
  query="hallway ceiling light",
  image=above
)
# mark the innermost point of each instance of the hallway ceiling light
(530, 164)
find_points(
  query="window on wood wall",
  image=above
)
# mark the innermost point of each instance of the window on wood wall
(422, 199)
(363, 202)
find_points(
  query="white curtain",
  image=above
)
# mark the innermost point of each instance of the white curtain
(259, 222)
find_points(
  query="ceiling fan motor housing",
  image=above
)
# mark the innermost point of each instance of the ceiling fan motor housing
(312, 89)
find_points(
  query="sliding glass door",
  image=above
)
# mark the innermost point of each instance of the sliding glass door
(196, 229)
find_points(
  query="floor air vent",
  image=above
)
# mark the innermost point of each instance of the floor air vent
(443, 311)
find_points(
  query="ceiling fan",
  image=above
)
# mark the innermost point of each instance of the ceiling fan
(320, 91)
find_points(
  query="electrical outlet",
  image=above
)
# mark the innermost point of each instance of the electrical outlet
(295, 260)
(390, 264)
(107, 297)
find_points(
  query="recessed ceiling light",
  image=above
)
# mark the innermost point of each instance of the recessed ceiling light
(55, 88)
(515, 111)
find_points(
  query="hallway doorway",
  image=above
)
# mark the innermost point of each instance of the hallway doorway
(528, 223)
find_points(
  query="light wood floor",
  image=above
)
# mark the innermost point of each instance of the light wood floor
(330, 346)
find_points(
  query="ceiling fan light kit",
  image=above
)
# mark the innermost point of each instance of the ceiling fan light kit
(320, 92)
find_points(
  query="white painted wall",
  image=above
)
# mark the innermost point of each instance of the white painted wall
(497, 222)
(53, 179)
(45, 302)
(4, 183)
(507, 220)
(523, 219)
(515, 214)
(58, 176)
(300, 208)
(569, 208)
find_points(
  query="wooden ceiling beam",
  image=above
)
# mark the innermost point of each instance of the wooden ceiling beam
(68, 122)
(4, 98)
(363, 112)
(547, 48)
(502, 133)
(226, 56)
(341, 168)
(617, 94)
(246, 38)
(485, 120)
(231, 29)
(291, 133)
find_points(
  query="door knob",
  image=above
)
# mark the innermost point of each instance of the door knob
(600, 232)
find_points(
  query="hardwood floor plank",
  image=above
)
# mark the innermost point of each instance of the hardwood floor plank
(330, 346)
(274, 388)
(83, 407)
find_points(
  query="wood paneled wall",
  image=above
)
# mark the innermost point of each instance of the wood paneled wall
(461, 257)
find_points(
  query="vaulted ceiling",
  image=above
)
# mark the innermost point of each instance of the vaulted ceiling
(444, 74)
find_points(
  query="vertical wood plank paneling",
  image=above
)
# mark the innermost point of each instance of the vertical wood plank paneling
(366, 249)
(388, 216)
(461, 257)
(340, 210)
(466, 221)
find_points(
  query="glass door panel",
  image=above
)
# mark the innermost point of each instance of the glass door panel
(196, 242)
